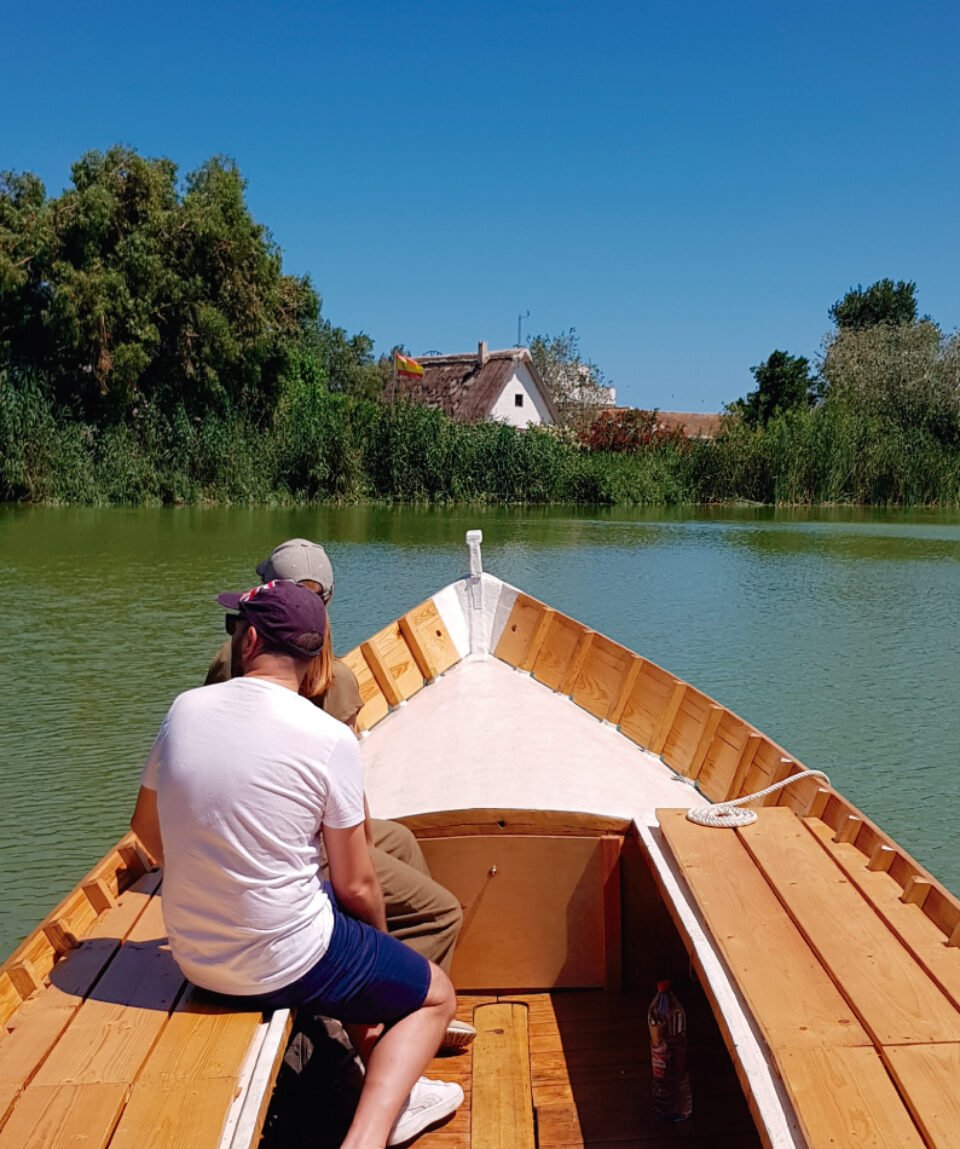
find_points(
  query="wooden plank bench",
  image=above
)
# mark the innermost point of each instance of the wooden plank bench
(863, 1037)
(502, 1102)
(113, 1049)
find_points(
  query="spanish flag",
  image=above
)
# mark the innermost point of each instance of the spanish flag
(407, 368)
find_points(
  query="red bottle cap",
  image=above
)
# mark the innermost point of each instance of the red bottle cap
(663, 986)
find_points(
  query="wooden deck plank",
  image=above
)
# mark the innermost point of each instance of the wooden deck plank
(891, 993)
(8, 1094)
(789, 993)
(845, 1100)
(172, 1114)
(115, 1028)
(38, 1023)
(502, 1098)
(928, 1077)
(918, 933)
(64, 1117)
(201, 1040)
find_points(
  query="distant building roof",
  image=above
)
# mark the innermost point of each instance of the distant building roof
(466, 387)
(692, 424)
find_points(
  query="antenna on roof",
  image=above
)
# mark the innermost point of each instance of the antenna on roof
(520, 318)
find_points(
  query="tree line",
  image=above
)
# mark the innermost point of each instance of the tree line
(882, 360)
(152, 348)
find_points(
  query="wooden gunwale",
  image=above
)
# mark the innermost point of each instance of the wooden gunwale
(695, 735)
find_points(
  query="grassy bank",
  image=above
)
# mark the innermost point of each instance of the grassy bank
(319, 447)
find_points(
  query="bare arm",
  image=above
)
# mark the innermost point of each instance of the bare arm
(145, 823)
(367, 827)
(352, 875)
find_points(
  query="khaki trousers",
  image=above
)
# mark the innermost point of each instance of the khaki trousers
(420, 911)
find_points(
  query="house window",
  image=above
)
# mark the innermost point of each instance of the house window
(518, 400)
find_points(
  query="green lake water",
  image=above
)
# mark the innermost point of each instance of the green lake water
(836, 633)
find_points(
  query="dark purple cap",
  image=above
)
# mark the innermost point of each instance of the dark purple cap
(290, 617)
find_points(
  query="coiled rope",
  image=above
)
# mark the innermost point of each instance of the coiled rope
(729, 814)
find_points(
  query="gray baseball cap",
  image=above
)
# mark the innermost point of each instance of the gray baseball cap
(299, 559)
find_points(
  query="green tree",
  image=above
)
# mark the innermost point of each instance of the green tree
(907, 376)
(576, 386)
(883, 302)
(131, 288)
(784, 383)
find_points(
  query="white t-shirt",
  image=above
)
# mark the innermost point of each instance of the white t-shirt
(246, 772)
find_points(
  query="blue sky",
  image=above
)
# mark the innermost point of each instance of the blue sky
(689, 185)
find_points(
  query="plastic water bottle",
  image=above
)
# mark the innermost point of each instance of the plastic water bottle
(667, 1020)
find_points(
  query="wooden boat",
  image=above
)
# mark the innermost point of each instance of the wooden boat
(548, 772)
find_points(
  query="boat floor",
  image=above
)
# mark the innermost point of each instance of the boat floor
(590, 1073)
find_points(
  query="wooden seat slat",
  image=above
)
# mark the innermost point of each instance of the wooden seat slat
(173, 1113)
(502, 1097)
(9, 1091)
(64, 1117)
(115, 1028)
(844, 1099)
(890, 991)
(34, 1028)
(200, 1040)
(792, 997)
(916, 930)
(929, 1079)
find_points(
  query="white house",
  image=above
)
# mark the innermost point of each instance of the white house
(501, 385)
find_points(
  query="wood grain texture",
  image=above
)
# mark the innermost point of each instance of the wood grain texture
(393, 664)
(928, 1077)
(844, 1099)
(64, 1117)
(533, 909)
(558, 650)
(518, 633)
(889, 990)
(683, 738)
(601, 675)
(644, 708)
(724, 756)
(790, 994)
(175, 1114)
(115, 1028)
(34, 1028)
(917, 932)
(426, 634)
(375, 705)
(502, 1099)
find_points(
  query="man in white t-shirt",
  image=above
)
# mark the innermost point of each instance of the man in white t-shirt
(242, 778)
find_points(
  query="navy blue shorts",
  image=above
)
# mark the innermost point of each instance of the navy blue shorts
(365, 976)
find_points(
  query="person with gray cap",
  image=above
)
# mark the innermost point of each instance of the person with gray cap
(419, 910)
(243, 779)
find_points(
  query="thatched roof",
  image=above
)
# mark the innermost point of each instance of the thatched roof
(466, 387)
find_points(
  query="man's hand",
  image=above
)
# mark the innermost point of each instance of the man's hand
(352, 875)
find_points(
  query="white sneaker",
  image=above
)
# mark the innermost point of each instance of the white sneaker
(459, 1035)
(428, 1103)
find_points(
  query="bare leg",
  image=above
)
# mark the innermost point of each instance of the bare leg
(397, 1060)
(363, 1038)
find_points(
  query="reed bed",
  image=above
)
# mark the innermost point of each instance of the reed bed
(319, 447)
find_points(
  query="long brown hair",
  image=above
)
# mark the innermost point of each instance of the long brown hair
(316, 682)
